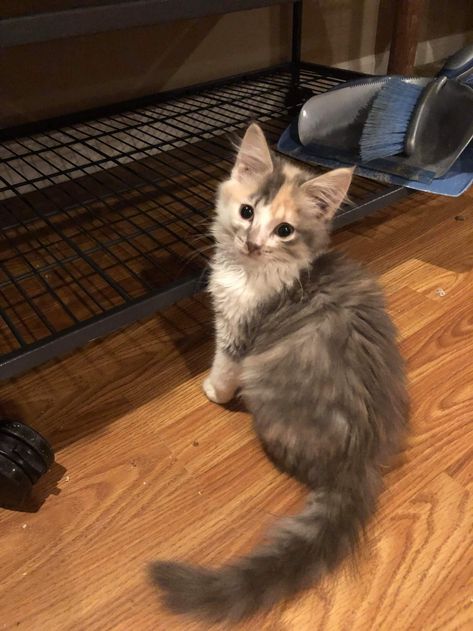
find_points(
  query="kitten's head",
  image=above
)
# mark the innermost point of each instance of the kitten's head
(272, 211)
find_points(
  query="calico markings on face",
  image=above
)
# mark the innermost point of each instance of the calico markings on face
(270, 210)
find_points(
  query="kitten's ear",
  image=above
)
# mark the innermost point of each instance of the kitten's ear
(326, 192)
(254, 157)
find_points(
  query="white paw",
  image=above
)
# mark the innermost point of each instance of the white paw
(217, 396)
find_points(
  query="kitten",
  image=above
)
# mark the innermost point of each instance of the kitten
(304, 334)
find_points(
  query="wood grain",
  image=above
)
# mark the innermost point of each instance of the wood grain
(408, 16)
(147, 468)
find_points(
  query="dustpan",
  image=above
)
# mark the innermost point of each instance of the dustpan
(331, 126)
(440, 130)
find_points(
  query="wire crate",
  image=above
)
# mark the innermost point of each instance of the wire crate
(104, 219)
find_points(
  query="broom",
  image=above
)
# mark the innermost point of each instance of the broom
(386, 131)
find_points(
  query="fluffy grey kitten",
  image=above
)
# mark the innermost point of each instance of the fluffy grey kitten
(303, 334)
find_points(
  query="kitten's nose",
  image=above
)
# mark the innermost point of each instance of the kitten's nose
(252, 247)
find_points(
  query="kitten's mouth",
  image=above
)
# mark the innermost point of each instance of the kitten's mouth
(244, 252)
(252, 256)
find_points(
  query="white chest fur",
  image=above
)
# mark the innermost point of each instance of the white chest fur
(238, 292)
(236, 295)
(234, 290)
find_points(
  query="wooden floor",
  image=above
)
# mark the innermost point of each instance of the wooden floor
(147, 468)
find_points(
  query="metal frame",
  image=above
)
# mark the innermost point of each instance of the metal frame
(108, 16)
(92, 202)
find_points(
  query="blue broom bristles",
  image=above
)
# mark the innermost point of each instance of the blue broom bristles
(386, 125)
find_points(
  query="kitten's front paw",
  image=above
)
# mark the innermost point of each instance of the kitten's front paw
(215, 395)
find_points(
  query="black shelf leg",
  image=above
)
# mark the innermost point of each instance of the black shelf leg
(296, 94)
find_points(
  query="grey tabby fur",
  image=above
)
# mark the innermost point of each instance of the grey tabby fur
(304, 334)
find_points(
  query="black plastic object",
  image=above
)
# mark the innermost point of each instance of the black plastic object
(24, 457)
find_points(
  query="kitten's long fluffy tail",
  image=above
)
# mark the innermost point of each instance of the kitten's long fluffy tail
(300, 550)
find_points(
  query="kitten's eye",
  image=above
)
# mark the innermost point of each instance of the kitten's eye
(246, 211)
(284, 230)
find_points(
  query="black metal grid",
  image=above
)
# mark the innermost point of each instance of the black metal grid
(104, 221)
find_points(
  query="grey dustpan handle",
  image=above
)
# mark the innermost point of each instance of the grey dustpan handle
(422, 105)
(459, 65)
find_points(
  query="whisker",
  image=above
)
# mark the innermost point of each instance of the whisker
(197, 252)
(192, 255)
(201, 236)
